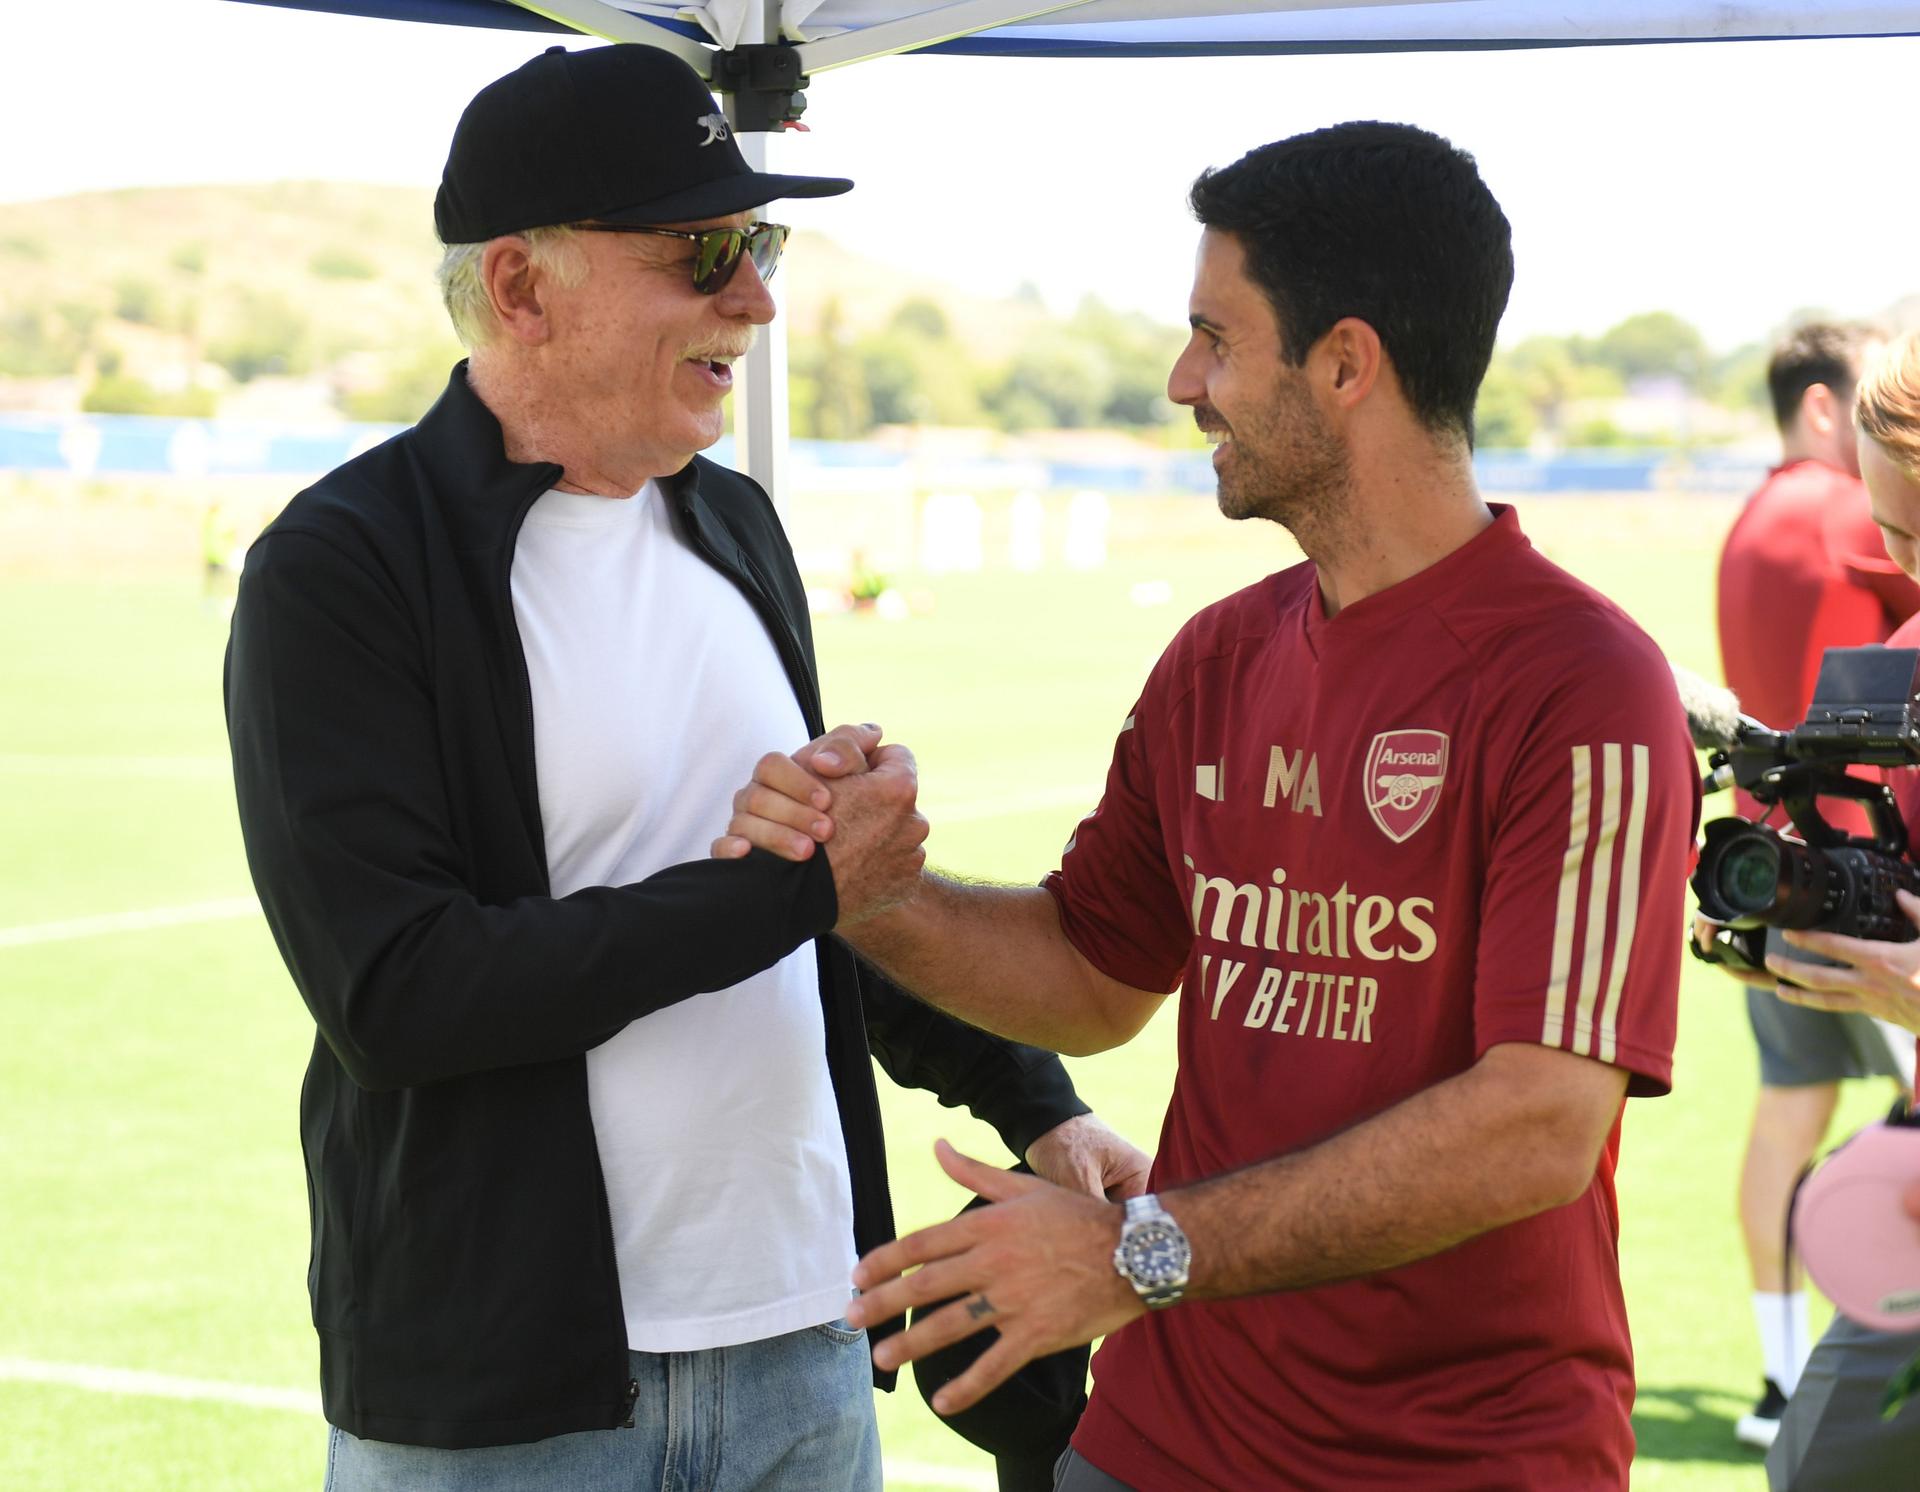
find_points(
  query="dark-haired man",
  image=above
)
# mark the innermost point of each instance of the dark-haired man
(590, 1124)
(1408, 825)
(1804, 569)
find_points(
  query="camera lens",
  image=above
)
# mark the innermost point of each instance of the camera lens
(1748, 877)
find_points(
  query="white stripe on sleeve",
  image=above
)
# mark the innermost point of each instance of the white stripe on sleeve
(1554, 1027)
(1639, 783)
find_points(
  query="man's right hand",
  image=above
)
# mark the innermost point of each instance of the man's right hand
(868, 813)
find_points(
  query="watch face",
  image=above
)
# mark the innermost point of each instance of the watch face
(1157, 1254)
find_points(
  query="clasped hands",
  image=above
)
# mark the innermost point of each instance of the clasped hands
(844, 787)
(1038, 1266)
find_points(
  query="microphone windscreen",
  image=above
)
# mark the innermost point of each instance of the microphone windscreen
(1713, 713)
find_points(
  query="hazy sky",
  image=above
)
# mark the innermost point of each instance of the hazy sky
(1733, 183)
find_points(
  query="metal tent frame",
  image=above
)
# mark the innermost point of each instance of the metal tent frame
(767, 51)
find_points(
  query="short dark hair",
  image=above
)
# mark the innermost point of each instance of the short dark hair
(1815, 352)
(1385, 222)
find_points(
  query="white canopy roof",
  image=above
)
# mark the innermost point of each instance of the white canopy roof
(1158, 26)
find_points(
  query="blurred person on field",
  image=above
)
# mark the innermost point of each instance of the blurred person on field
(1407, 826)
(1803, 569)
(1833, 1437)
(590, 1125)
(221, 551)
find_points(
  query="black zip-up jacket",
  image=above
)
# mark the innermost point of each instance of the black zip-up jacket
(462, 1277)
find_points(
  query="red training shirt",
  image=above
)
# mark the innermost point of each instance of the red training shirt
(1369, 848)
(1905, 781)
(1804, 569)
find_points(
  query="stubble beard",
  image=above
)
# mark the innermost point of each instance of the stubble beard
(1289, 469)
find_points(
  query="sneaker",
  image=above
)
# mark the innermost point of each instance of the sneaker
(1761, 1426)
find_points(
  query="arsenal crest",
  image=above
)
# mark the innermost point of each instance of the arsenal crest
(1402, 779)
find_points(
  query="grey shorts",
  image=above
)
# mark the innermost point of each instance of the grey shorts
(1073, 1474)
(1801, 1047)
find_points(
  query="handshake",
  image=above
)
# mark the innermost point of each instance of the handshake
(847, 789)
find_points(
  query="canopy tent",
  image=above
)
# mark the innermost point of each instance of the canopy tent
(1182, 27)
(760, 54)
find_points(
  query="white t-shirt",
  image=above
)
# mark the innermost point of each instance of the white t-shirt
(655, 689)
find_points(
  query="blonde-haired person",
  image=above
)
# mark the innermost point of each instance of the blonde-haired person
(1879, 979)
(1887, 405)
(1832, 1435)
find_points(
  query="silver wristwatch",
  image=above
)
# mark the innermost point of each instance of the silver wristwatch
(1154, 1255)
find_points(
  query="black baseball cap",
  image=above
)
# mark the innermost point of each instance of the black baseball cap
(622, 134)
(1026, 1422)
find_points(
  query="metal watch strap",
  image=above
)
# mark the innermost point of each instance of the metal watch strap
(1143, 1207)
(1147, 1223)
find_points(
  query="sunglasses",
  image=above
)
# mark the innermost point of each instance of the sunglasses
(717, 251)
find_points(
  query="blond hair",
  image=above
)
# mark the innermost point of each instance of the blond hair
(553, 251)
(1887, 405)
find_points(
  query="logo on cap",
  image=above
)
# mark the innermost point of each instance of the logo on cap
(1402, 779)
(716, 127)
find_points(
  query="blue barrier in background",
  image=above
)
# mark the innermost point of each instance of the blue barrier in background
(131, 445)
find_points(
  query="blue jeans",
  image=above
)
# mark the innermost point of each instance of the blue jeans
(791, 1414)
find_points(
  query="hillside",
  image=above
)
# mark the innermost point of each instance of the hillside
(328, 281)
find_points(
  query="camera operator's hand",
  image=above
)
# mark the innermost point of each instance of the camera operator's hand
(1704, 929)
(1882, 979)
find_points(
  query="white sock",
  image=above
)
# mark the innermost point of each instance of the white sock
(1784, 1347)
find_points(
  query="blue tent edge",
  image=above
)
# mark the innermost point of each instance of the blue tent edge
(503, 15)
(495, 14)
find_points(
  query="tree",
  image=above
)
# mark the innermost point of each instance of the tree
(827, 383)
(921, 317)
(121, 393)
(1138, 352)
(1739, 379)
(1504, 416)
(1055, 380)
(337, 263)
(916, 373)
(409, 390)
(263, 334)
(138, 301)
(1652, 344)
(37, 344)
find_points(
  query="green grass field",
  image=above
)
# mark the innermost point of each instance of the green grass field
(152, 1214)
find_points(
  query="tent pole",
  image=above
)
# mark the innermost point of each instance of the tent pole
(760, 397)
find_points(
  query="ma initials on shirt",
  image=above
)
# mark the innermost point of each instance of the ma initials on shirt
(1284, 775)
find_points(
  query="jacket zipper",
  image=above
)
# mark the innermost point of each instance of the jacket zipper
(760, 595)
(531, 787)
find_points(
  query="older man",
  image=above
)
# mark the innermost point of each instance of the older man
(590, 1127)
(1407, 825)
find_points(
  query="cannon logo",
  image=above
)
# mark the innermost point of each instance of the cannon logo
(1402, 779)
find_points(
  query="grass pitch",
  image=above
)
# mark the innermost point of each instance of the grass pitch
(152, 1216)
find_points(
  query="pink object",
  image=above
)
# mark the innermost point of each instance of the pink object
(1852, 1227)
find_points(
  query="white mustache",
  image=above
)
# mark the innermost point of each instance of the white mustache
(722, 349)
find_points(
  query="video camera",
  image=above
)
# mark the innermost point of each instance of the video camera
(1752, 876)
